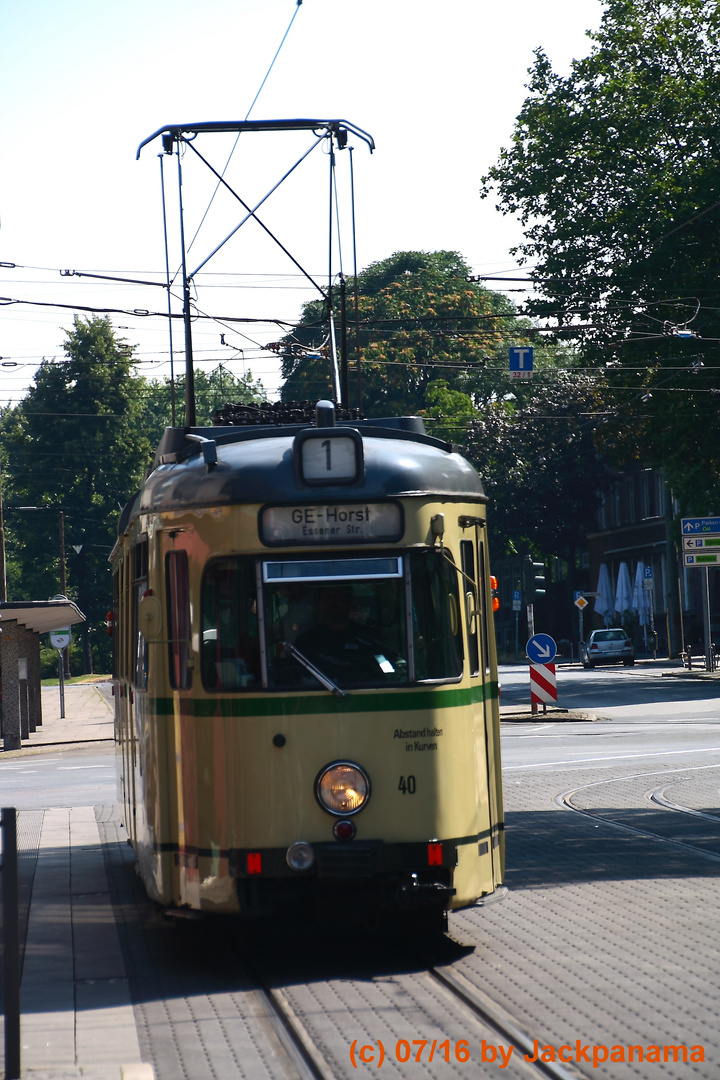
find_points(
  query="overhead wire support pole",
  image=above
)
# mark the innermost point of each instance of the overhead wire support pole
(335, 368)
(344, 395)
(342, 349)
(190, 416)
(356, 288)
(169, 298)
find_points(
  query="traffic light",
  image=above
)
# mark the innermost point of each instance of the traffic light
(533, 580)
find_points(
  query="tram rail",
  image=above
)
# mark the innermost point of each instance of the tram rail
(656, 796)
(484, 1020)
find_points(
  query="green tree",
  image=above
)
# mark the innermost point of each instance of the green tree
(420, 319)
(535, 450)
(614, 171)
(212, 389)
(75, 443)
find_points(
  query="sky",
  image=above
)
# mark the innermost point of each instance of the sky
(84, 82)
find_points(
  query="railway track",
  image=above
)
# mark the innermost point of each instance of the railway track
(216, 1000)
(655, 796)
(491, 1033)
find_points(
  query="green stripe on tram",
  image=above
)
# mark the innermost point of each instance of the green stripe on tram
(306, 704)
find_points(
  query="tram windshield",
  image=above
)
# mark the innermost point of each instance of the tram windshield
(345, 616)
(360, 621)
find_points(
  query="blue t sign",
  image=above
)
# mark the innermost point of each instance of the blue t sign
(521, 359)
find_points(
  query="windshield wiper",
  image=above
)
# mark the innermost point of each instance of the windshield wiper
(314, 671)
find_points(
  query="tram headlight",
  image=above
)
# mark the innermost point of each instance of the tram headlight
(342, 788)
(300, 856)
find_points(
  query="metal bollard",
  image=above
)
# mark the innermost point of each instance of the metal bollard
(11, 942)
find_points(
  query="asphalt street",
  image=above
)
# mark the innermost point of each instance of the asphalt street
(650, 692)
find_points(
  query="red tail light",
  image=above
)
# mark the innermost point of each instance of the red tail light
(434, 854)
(254, 862)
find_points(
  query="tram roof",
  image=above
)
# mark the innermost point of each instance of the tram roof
(255, 465)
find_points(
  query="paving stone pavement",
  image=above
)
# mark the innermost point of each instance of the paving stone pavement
(607, 935)
(77, 1019)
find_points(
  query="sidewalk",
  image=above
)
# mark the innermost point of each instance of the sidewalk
(88, 717)
(77, 1020)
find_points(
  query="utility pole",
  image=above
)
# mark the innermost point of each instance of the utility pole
(3, 576)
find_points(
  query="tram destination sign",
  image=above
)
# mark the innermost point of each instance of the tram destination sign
(331, 523)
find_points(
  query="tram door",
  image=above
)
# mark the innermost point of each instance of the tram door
(483, 664)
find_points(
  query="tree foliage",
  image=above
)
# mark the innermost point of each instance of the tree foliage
(435, 344)
(80, 442)
(75, 443)
(535, 450)
(615, 173)
(420, 319)
(212, 389)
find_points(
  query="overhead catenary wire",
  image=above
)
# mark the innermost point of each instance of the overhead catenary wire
(298, 4)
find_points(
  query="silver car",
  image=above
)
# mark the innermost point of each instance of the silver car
(611, 646)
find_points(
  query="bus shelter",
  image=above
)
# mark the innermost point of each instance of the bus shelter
(21, 624)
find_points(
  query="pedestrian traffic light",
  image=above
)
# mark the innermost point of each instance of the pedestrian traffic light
(533, 580)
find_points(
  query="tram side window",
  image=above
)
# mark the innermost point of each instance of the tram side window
(469, 588)
(178, 601)
(139, 557)
(230, 641)
(436, 618)
(115, 623)
(485, 608)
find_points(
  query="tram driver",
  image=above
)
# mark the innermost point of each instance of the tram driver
(340, 645)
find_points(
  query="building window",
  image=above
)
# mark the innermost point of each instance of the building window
(659, 494)
(629, 502)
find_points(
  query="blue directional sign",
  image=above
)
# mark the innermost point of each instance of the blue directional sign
(700, 526)
(541, 649)
(521, 358)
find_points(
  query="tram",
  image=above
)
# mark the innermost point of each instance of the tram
(305, 678)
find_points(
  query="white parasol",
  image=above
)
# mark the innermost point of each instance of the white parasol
(641, 596)
(604, 601)
(623, 590)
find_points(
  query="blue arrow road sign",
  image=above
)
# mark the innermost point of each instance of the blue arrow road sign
(521, 358)
(541, 649)
(691, 526)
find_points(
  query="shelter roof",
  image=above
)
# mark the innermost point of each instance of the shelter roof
(41, 616)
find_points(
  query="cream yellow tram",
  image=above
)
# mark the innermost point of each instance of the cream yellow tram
(305, 677)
